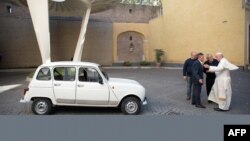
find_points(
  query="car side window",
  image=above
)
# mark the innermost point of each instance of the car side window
(64, 73)
(88, 75)
(44, 74)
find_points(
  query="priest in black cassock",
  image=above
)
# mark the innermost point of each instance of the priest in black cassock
(210, 76)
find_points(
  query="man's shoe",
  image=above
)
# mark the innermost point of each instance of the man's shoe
(209, 101)
(220, 110)
(200, 106)
(188, 98)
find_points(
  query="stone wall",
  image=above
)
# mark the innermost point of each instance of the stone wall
(124, 13)
(99, 43)
(19, 48)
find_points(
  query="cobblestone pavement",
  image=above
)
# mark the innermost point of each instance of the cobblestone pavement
(164, 87)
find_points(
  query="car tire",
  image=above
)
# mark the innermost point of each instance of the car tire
(41, 106)
(131, 106)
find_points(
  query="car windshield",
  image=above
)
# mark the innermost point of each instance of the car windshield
(104, 73)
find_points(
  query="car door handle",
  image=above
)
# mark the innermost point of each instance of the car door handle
(80, 85)
(57, 85)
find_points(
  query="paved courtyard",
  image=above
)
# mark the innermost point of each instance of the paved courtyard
(164, 87)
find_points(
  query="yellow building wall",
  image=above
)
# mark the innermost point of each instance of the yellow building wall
(156, 37)
(207, 26)
(119, 28)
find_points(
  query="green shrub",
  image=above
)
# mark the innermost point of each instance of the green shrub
(127, 63)
(144, 63)
(158, 55)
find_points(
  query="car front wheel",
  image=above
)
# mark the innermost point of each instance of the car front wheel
(131, 106)
(41, 106)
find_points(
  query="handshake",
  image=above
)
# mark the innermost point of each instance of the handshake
(206, 66)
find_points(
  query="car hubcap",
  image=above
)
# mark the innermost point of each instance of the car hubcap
(131, 107)
(41, 107)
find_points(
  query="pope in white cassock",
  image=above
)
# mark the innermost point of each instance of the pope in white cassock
(221, 92)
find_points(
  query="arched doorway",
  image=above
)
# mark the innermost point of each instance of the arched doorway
(130, 46)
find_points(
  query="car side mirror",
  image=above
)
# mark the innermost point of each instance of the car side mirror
(100, 81)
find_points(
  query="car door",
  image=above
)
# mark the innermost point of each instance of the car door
(90, 90)
(65, 84)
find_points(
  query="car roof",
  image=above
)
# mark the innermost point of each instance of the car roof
(69, 63)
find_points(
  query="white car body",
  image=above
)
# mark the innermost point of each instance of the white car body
(108, 93)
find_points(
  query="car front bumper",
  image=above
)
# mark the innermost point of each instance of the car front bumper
(22, 101)
(145, 101)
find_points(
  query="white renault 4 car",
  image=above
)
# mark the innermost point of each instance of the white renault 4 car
(81, 84)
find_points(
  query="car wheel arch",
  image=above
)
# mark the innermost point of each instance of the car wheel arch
(130, 95)
(34, 98)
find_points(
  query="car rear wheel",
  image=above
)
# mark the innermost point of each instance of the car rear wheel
(131, 106)
(41, 106)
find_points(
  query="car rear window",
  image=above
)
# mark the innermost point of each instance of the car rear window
(44, 74)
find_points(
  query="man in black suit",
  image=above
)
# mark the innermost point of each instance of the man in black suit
(197, 78)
